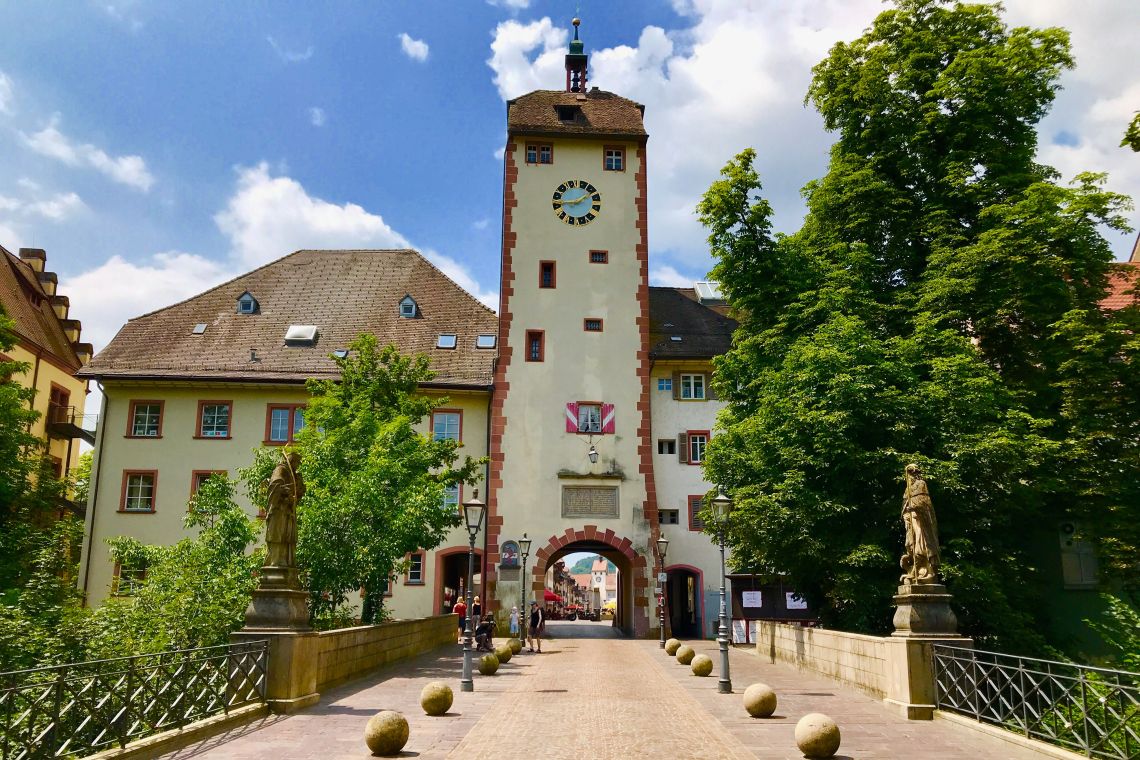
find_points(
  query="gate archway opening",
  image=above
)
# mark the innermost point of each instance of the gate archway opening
(683, 601)
(451, 577)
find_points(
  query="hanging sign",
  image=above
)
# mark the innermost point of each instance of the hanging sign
(752, 598)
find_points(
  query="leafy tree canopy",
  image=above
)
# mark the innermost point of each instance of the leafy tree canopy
(939, 305)
(586, 564)
(374, 484)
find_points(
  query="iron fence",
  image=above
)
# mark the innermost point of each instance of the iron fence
(80, 708)
(1092, 711)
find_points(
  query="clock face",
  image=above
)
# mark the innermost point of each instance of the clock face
(577, 202)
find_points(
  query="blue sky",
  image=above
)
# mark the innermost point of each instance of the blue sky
(155, 149)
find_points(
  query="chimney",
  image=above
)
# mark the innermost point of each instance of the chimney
(84, 351)
(71, 328)
(61, 305)
(34, 257)
(49, 281)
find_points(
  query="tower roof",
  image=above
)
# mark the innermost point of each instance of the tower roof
(596, 113)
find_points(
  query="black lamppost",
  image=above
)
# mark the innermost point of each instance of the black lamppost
(722, 508)
(662, 547)
(524, 549)
(473, 515)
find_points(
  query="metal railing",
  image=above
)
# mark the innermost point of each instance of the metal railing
(81, 708)
(1092, 711)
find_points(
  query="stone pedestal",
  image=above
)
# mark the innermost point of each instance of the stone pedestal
(279, 613)
(922, 619)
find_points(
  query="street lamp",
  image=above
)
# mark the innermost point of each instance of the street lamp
(473, 510)
(592, 454)
(524, 549)
(662, 547)
(722, 508)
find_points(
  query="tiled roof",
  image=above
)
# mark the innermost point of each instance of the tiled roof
(343, 293)
(1122, 281)
(25, 301)
(601, 114)
(704, 332)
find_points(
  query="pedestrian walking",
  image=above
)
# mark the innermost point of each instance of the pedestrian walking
(476, 611)
(537, 626)
(460, 609)
(514, 621)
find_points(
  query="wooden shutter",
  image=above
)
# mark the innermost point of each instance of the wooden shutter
(683, 447)
(572, 417)
(676, 386)
(710, 394)
(607, 418)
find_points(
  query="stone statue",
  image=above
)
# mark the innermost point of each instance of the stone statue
(921, 560)
(285, 488)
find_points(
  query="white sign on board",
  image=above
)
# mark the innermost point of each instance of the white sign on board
(752, 599)
(794, 601)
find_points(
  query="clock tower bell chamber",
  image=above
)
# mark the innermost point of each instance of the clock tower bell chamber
(570, 449)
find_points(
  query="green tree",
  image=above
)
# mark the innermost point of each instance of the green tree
(936, 306)
(374, 484)
(1132, 134)
(81, 478)
(193, 593)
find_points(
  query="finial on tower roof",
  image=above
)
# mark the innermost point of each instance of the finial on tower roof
(576, 62)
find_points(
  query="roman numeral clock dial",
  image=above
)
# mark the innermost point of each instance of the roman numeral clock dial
(577, 202)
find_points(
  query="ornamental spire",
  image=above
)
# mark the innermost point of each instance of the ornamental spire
(576, 62)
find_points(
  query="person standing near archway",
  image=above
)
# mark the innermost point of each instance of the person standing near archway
(537, 626)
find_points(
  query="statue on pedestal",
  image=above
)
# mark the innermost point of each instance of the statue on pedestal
(921, 560)
(285, 489)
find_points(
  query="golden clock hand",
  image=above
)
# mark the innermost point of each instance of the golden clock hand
(564, 202)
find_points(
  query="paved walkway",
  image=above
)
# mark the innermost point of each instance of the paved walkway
(595, 697)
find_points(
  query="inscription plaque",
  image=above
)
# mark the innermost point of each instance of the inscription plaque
(589, 501)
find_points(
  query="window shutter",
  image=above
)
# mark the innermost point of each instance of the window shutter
(572, 417)
(710, 394)
(607, 418)
(683, 447)
(676, 386)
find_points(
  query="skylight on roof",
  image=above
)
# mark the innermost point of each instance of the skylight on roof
(301, 335)
(707, 291)
(485, 341)
(199, 328)
(446, 340)
(408, 307)
(675, 338)
(247, 304)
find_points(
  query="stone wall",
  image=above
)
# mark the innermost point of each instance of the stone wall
(349, 653)
(851, 658)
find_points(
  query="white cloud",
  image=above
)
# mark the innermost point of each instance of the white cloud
(57, 208)
(317, 116)
(735, 75)
(415, 49)
(511, 5)
(481, 224)
(113, 292)
(126, 170)
(463, 277)
(287, 55)
(268, 217)
(9, 238)
(669, 277)
(5, 93)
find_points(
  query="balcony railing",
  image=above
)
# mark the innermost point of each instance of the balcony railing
(1092, 711)
(65, 422)
(81, 708)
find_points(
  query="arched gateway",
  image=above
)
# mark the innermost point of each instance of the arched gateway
(632, 613)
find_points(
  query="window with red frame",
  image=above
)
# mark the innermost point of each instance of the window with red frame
(546, 275)
(535, 346)
(283, 422)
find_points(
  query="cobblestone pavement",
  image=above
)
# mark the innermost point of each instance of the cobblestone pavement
(596, 697)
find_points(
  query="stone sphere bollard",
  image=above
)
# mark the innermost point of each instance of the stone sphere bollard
(671, 647)
(488, 664)
(386, 733)
(515, 645)
(504, 653)
(701, 665)
(436, 698)
(817, 736)
(685, 654)
(760, 700)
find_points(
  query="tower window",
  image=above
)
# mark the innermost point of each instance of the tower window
(539, 153)
(614, 160)
(567, 113)
(589, 418)
(535, 346)
(599, 257)
(546, 278)
(592, 324)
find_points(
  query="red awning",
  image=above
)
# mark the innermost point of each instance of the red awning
(551, 596)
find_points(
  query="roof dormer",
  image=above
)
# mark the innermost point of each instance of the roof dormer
(247, 304)
(409, 309)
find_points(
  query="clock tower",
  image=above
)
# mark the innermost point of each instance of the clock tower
(571, 459)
